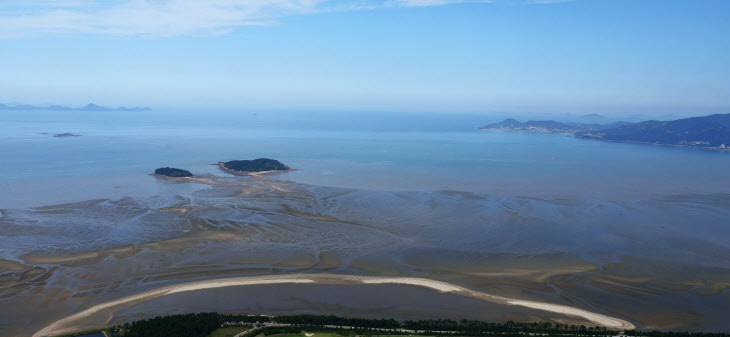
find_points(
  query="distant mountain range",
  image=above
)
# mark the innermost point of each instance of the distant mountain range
(88, 107)
(709, 131)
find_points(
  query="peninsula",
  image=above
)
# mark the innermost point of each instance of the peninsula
(255, 166)
(88, 107)
(173, 172)
(711, 131)
(549, 126)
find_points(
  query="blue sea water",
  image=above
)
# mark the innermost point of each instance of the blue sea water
(116, 152)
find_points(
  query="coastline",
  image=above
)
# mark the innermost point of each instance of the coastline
(572, 134)
(172, 178)
(196, 179)
(66, 325)
(713, 148)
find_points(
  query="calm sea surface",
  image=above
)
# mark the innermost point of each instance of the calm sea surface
(116, 152)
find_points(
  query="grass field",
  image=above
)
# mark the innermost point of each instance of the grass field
(228, 331)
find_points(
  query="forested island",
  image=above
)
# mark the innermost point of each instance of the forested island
(245, 167)
(711, 131)
(173, 172)
(215, 324)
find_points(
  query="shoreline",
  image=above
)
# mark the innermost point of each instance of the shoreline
(572, 134)
(713, 148)
(171, 178)
(195, 178)
(65, 325)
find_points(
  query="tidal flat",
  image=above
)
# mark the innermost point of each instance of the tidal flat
(634, 260)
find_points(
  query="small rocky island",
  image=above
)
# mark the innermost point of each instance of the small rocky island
(255, 166)
(172, 172)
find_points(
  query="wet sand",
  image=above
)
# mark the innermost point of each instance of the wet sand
(639, 261)
(70, 324)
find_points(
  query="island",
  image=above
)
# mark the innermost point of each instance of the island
(88, 107)
(711, 131)
(173, 172)
(64, 135)
(255, 166)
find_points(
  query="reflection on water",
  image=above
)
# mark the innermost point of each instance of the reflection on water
(115, 153)
(372, 301)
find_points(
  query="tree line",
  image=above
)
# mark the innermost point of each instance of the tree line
(202, 324)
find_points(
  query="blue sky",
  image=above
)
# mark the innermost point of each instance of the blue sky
(592, 56)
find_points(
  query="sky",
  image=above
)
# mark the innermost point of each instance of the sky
(579, 56)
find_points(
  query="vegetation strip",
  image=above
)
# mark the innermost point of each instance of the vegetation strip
(217, 325)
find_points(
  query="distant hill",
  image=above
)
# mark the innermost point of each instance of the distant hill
(88, 107)
(548, 126)
(708, 131)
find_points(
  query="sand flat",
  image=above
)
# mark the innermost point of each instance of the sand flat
(547, 251)
(603, 320)
(67, 325)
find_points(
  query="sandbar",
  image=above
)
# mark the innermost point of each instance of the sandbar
(66, 325)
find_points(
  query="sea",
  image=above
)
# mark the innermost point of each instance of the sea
(634, 231)
(115, 152)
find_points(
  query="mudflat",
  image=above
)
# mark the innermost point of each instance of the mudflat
(608, 258)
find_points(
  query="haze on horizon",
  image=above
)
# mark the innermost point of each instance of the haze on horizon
(608, 57)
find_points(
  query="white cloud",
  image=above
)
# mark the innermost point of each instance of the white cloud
(164, 18)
